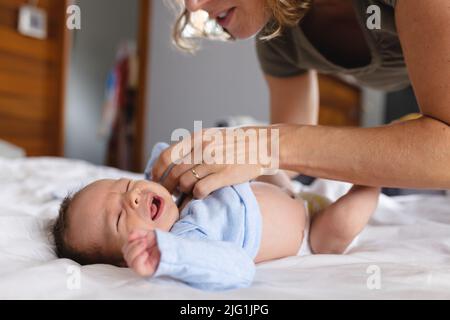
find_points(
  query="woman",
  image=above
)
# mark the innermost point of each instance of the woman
(297, 39)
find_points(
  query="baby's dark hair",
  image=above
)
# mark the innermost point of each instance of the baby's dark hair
(64, 249)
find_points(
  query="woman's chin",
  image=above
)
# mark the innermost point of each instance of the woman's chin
(243, 34)
(241, 29)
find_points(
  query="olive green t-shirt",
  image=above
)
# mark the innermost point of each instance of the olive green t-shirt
(292, 53)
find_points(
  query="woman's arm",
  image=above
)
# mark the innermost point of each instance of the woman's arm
(414, 154)
(424, 30)
(294, 100)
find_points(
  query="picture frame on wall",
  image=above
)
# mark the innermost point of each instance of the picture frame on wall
(32, 22)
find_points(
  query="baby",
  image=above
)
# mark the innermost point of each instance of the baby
(211, 244)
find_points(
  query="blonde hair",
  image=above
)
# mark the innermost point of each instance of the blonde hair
(284, 14)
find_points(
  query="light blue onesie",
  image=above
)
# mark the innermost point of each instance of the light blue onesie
(213, 245)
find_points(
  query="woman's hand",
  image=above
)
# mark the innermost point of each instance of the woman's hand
(215, 158)
(141, 252)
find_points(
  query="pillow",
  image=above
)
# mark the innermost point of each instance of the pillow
(8, 150)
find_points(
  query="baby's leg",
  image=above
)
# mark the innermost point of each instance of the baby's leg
(334, 228)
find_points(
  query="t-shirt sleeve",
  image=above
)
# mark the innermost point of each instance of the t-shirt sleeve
(275, 57)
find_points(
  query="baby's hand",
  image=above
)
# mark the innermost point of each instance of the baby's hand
(141, 252)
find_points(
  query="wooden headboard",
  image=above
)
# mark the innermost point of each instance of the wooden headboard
(32, 80)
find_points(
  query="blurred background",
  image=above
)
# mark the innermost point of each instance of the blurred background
(107, 92)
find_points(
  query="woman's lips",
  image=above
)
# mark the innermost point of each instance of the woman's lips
(224, 19)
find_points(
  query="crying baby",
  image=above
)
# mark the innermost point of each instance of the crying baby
(211, 243)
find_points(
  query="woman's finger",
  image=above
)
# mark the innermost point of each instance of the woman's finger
(208, 185)
(176, 154)
(229, 175)
(194, 175)
(185, 155)
(173, 178)
(162, 164)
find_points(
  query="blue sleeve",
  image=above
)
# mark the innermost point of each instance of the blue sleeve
(204, 264)
(156, 152)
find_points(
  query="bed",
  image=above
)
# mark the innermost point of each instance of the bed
(404, 253)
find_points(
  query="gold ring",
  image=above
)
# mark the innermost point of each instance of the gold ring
(195, 173)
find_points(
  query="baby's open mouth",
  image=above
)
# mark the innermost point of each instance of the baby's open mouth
(156, 207)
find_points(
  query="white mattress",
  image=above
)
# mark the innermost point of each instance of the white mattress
(408, 241)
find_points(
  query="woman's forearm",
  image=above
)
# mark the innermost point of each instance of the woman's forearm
(413, 154)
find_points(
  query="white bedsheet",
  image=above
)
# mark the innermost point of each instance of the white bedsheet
(408, 241)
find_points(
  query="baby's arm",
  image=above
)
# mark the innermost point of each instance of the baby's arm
(141, 252)
(334, 228)
(201, 263)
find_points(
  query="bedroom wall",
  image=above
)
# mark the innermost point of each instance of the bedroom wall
(177, 81)
(105, 23)
(373, 107)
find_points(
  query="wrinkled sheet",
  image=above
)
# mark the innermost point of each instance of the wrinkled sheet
(404, 253)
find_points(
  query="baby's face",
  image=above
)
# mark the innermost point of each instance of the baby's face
(104, 213)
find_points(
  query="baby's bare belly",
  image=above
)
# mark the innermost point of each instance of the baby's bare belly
(283, 220)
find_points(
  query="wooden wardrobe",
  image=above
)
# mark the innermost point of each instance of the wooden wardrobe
(33, 76)
(32, 80)
(340, 102)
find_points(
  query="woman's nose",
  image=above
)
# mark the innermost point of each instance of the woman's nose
(195, 5)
